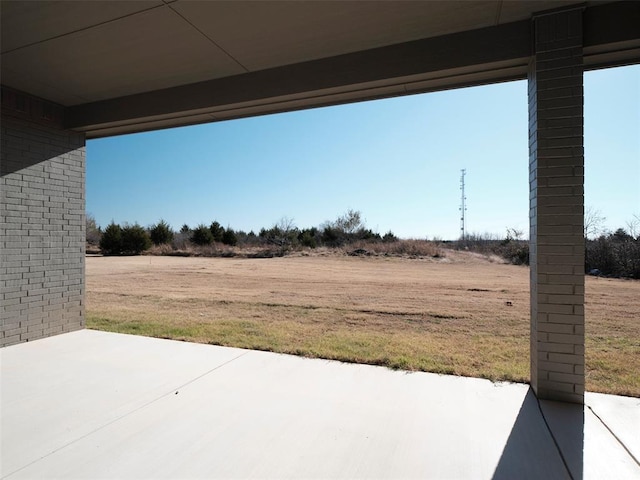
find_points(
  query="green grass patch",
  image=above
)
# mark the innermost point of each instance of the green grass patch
(405, 351)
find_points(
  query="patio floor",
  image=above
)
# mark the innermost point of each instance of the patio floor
(91, 404)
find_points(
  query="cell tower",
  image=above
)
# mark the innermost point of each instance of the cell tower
(463, 207)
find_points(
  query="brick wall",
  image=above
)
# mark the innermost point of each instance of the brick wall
(42, 224)
(556, 167)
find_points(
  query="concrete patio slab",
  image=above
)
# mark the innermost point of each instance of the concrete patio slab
(587, 445)
(621, 415)
(92, 404)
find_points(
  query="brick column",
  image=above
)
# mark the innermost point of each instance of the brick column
(42, 221)
(556, 175)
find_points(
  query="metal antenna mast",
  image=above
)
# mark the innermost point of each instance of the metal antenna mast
(463, 207)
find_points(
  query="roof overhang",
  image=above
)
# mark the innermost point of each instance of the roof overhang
(260, 84)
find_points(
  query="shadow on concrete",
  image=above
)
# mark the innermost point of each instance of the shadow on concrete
(547, 441)
(566, 422)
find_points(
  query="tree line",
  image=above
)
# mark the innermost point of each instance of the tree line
(615, 254)
(612, 254)
(284, 235)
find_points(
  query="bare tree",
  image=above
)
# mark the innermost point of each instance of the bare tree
(514, 233)
(283, 234)
(286, 225)
(93, 232)
(350, 222)
(593, 222)
(633, 225)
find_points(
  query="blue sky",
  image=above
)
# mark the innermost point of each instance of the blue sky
(397, 161)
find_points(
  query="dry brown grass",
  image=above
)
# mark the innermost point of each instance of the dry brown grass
(404, 248)
(460, 314)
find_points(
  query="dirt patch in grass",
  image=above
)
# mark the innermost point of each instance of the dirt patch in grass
(460, 314)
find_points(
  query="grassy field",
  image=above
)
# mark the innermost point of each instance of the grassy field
(462, 314)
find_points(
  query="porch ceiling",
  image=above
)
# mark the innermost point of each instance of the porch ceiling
(121, 67)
